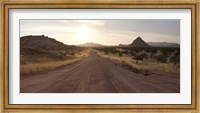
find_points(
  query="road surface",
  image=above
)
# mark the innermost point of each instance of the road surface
(97, 75)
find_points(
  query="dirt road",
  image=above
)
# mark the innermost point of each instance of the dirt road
(97, 75)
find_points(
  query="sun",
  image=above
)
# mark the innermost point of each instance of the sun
(83, 34)
(83, 30)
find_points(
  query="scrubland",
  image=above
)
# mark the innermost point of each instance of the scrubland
(144, 60)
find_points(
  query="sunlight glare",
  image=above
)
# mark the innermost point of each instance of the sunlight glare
(83, 30)
(83, 33)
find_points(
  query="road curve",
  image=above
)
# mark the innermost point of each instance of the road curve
(97, 75)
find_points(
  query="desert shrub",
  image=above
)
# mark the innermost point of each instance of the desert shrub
(143, 55)
(114, 51)
(161, 58)
(137, 58)
(71, 53)
(153, 50)
(120, 54)
(132, 53)
(147, 50)
(106, 52)
(176, 58)
(125, 52)
(151, 55)
(165, 52)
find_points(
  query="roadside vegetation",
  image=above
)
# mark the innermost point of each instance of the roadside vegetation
(144, 60)
(45, 64)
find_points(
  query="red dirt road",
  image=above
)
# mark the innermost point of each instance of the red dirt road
(98, 75)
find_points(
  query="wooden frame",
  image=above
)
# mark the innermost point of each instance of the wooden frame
(9, 4)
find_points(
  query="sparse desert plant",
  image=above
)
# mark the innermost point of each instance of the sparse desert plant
(176, 59)
(120, 54)
(125, 52)
(161, 58)
(137, 58)
(153, 51)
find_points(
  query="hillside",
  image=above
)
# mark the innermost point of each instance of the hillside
(40, 42)
(139, 42)
(42, 48)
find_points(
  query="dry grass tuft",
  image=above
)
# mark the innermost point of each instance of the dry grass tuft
(36, 67)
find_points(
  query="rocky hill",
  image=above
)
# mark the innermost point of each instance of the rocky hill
(40, 42)
(34, 48)
(139, 42)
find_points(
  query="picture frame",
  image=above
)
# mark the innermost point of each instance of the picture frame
(6, 5)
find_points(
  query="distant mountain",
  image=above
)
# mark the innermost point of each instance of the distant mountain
(163, 44)
(122, 45)
(139, 42)
(90, 44)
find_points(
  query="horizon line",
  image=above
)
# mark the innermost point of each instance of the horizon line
(100, 43)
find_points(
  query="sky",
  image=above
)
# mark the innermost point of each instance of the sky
(106, 32)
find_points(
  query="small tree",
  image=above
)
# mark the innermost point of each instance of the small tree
(137, 58)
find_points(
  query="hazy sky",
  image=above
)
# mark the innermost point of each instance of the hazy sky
(107, 32)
